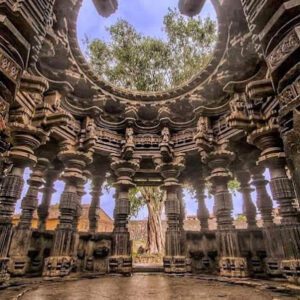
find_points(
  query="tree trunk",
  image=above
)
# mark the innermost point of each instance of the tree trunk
(155, 234)
(154, 199)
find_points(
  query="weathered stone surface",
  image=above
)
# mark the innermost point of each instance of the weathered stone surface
(237, 118)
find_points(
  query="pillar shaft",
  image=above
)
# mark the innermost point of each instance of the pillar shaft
(249, 208)
(30, 201)
(174, 228)
(121, 215)
(202, 213)
(263, 200)
(94, 209)
(64, 236)
(223, 204)
(43, 209)
(10, 192)
(218, 162)
(283, 192)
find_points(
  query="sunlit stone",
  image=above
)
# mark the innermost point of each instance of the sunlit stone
(106, 7)
(191, 8)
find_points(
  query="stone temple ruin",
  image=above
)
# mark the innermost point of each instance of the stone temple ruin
(237, 117)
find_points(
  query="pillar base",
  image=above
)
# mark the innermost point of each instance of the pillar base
(233, 267)
(4, 275)
(273, 267)
(18, 265)
(203, 265)
(291, 270)
(176, 264)
(58, 266)
(120, 264)
(257, 266)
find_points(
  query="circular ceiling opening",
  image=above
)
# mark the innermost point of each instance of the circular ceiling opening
(147, 45)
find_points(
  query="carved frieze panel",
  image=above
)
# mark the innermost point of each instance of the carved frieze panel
(285, 48)
(9, 67)
(290, 93)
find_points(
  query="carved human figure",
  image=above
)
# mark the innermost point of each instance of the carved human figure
(166, 136)
(129, 136)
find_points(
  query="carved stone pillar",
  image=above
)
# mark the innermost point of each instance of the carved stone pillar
(283, 191)
(202, 213)
(281, 241)
(182, 206)
(64, 250)
(218, 162)
(263, 200)
(175, 259)
(249, 208)
(19, 260)
(268, 140)
(48, 190)
(231, 262)
(21, 155)
(80, 193)
(94, 209)
(121, 259)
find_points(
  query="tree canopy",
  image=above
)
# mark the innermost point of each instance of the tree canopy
(133, 61)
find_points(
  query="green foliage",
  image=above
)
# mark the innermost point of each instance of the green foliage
(241, 218)
(233, 186)
(141, 196)
(137, 202)
(136, 62)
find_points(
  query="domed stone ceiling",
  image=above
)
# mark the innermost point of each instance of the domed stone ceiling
(63, 63)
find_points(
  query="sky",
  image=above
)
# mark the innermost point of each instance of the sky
(147, 17)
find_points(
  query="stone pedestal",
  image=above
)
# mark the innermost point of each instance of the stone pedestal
(120, 264)
(233, 267)
(231, 262)
(291, 270)
(176, 264)
(58, 266)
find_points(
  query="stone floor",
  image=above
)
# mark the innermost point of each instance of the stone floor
(146, 287)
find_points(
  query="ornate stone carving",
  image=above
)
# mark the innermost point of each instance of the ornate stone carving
(124, 170)
(285, 48)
